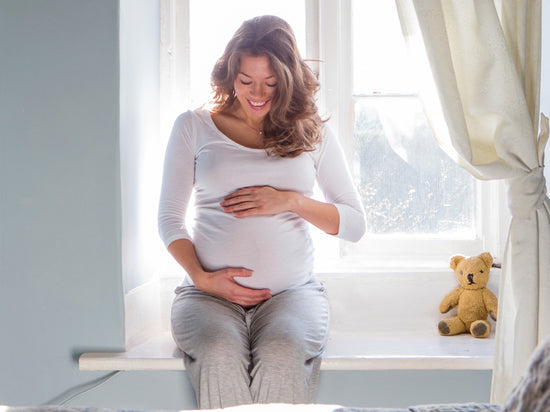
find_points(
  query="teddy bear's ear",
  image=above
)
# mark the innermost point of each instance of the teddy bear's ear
(455, 260)
(487, 259)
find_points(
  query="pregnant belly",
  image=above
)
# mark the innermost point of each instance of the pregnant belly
(277, 249)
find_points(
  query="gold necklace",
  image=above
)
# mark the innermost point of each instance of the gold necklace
(241, 116)
(259, 131)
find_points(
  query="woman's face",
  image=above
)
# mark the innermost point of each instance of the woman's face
(255, 86)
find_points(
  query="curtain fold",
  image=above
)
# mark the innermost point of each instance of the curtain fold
(481, 88)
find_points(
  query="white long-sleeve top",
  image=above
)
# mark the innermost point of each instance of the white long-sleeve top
(278, 249)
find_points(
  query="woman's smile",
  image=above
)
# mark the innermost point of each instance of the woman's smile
(258, 105)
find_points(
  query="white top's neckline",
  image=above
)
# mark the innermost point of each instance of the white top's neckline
(206, 114)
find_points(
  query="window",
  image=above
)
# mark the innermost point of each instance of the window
(381, 127)
(421, 207)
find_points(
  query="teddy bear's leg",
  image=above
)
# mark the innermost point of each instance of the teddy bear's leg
(451, 326)
(480, 329)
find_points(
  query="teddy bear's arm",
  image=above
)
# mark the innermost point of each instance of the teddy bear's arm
(491, 303)
(450, 301)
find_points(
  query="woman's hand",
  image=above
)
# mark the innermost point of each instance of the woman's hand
(258, 200)
(222, 283)
(265, 200)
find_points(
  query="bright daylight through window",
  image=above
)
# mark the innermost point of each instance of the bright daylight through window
(419, 204)
(414, 195)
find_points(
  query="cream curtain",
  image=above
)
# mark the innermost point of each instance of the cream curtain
(481, 60)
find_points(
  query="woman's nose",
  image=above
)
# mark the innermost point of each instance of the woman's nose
(258, 90)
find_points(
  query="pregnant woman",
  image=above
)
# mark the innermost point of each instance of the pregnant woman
(250, 318)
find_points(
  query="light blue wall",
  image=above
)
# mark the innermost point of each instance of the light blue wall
(60, 253)
(61, 269)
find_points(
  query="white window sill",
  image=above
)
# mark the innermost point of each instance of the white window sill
(352, 352)
(379, 321)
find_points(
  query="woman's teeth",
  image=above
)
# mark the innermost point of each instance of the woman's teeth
(257, 104)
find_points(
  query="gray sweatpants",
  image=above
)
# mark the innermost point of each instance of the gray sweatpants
(268, 353)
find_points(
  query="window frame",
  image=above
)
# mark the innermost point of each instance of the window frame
(337, 99)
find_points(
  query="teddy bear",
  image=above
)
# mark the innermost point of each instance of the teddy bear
(472, 298)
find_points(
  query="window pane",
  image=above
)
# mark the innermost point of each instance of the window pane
(379, 53)
(210, 31)
(407, 184)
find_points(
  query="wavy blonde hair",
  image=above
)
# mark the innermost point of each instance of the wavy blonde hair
(293, 125)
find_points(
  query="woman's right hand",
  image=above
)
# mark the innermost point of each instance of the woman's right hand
(222, 283)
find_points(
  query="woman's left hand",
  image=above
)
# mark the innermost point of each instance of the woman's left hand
(258, 201)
